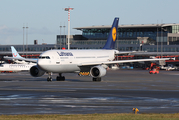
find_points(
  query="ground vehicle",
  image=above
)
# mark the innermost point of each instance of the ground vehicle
(169, 67)
(6, 71)
(154, 71)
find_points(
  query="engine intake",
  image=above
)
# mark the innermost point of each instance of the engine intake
(97, 71)
(35, 71)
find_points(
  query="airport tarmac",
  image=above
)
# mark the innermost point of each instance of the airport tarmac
(118, 92)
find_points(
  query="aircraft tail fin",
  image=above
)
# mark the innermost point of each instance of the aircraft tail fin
(15, 53)
(110, 44)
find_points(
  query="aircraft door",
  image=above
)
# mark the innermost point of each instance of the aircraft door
(57, 60)
(70, 59)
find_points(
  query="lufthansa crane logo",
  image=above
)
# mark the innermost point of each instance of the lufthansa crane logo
(114, 33)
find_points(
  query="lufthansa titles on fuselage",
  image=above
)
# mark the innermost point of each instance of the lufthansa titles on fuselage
(65, 54)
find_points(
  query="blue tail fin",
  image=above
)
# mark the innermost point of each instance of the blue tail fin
(15, 53)
(110, 44)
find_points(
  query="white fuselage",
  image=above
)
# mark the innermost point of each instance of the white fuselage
(61, 61)
(15, 67)
(22, 62)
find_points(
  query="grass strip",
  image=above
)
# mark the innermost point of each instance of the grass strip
(115, 116)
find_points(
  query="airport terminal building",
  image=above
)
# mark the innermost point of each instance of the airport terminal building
(145, 37)
(152, 37)
(145, 34)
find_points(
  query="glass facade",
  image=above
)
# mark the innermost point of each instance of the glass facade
(97, 34)
(175, 29)
(120, 47)
(138, 32)
(88, 42)
(102, 42)
(61, 39)
(126, 33)
(165, 48)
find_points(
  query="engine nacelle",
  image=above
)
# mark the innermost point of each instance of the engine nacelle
(97, 71)
(35, 71)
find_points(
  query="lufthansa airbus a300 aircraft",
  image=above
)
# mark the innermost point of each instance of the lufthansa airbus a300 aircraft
(70, 61)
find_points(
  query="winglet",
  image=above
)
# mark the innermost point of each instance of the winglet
(15, 54)
(110, 44)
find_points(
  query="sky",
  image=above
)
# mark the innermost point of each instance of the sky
(43, 17)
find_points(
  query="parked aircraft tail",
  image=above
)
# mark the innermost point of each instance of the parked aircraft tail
(15, 54)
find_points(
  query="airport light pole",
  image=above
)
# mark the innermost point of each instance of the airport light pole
(23, 38)
(161, 40)
(26, 40)
(64, 37)
(60, 37)
(68, 9)
(157, 38)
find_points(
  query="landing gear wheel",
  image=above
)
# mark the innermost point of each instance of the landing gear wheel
(97, 79)
(60, 77)
(49, 79)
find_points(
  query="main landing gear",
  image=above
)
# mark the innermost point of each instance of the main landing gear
(98, 79)
(60, 77)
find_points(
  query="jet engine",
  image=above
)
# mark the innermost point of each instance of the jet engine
(97, 71)
(35, 71)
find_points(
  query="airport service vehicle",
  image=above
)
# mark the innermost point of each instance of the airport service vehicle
(114, 67)
(154, 70)
(94, 61)
(7, 71)
(169, 67)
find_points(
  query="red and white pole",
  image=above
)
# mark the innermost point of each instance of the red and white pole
(68, 9)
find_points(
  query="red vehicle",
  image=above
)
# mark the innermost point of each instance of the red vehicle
(6, 71)
(154, 71)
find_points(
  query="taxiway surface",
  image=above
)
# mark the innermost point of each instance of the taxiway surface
(118, 92)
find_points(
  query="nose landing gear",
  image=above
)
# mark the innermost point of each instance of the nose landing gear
(49, 79)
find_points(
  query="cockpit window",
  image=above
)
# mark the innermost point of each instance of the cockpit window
(44, 57)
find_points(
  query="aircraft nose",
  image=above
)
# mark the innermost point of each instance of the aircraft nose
(39, 63)
(43, 64)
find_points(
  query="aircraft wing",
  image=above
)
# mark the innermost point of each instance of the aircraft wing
(126, 52)
(21, 59)
(119, 61)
